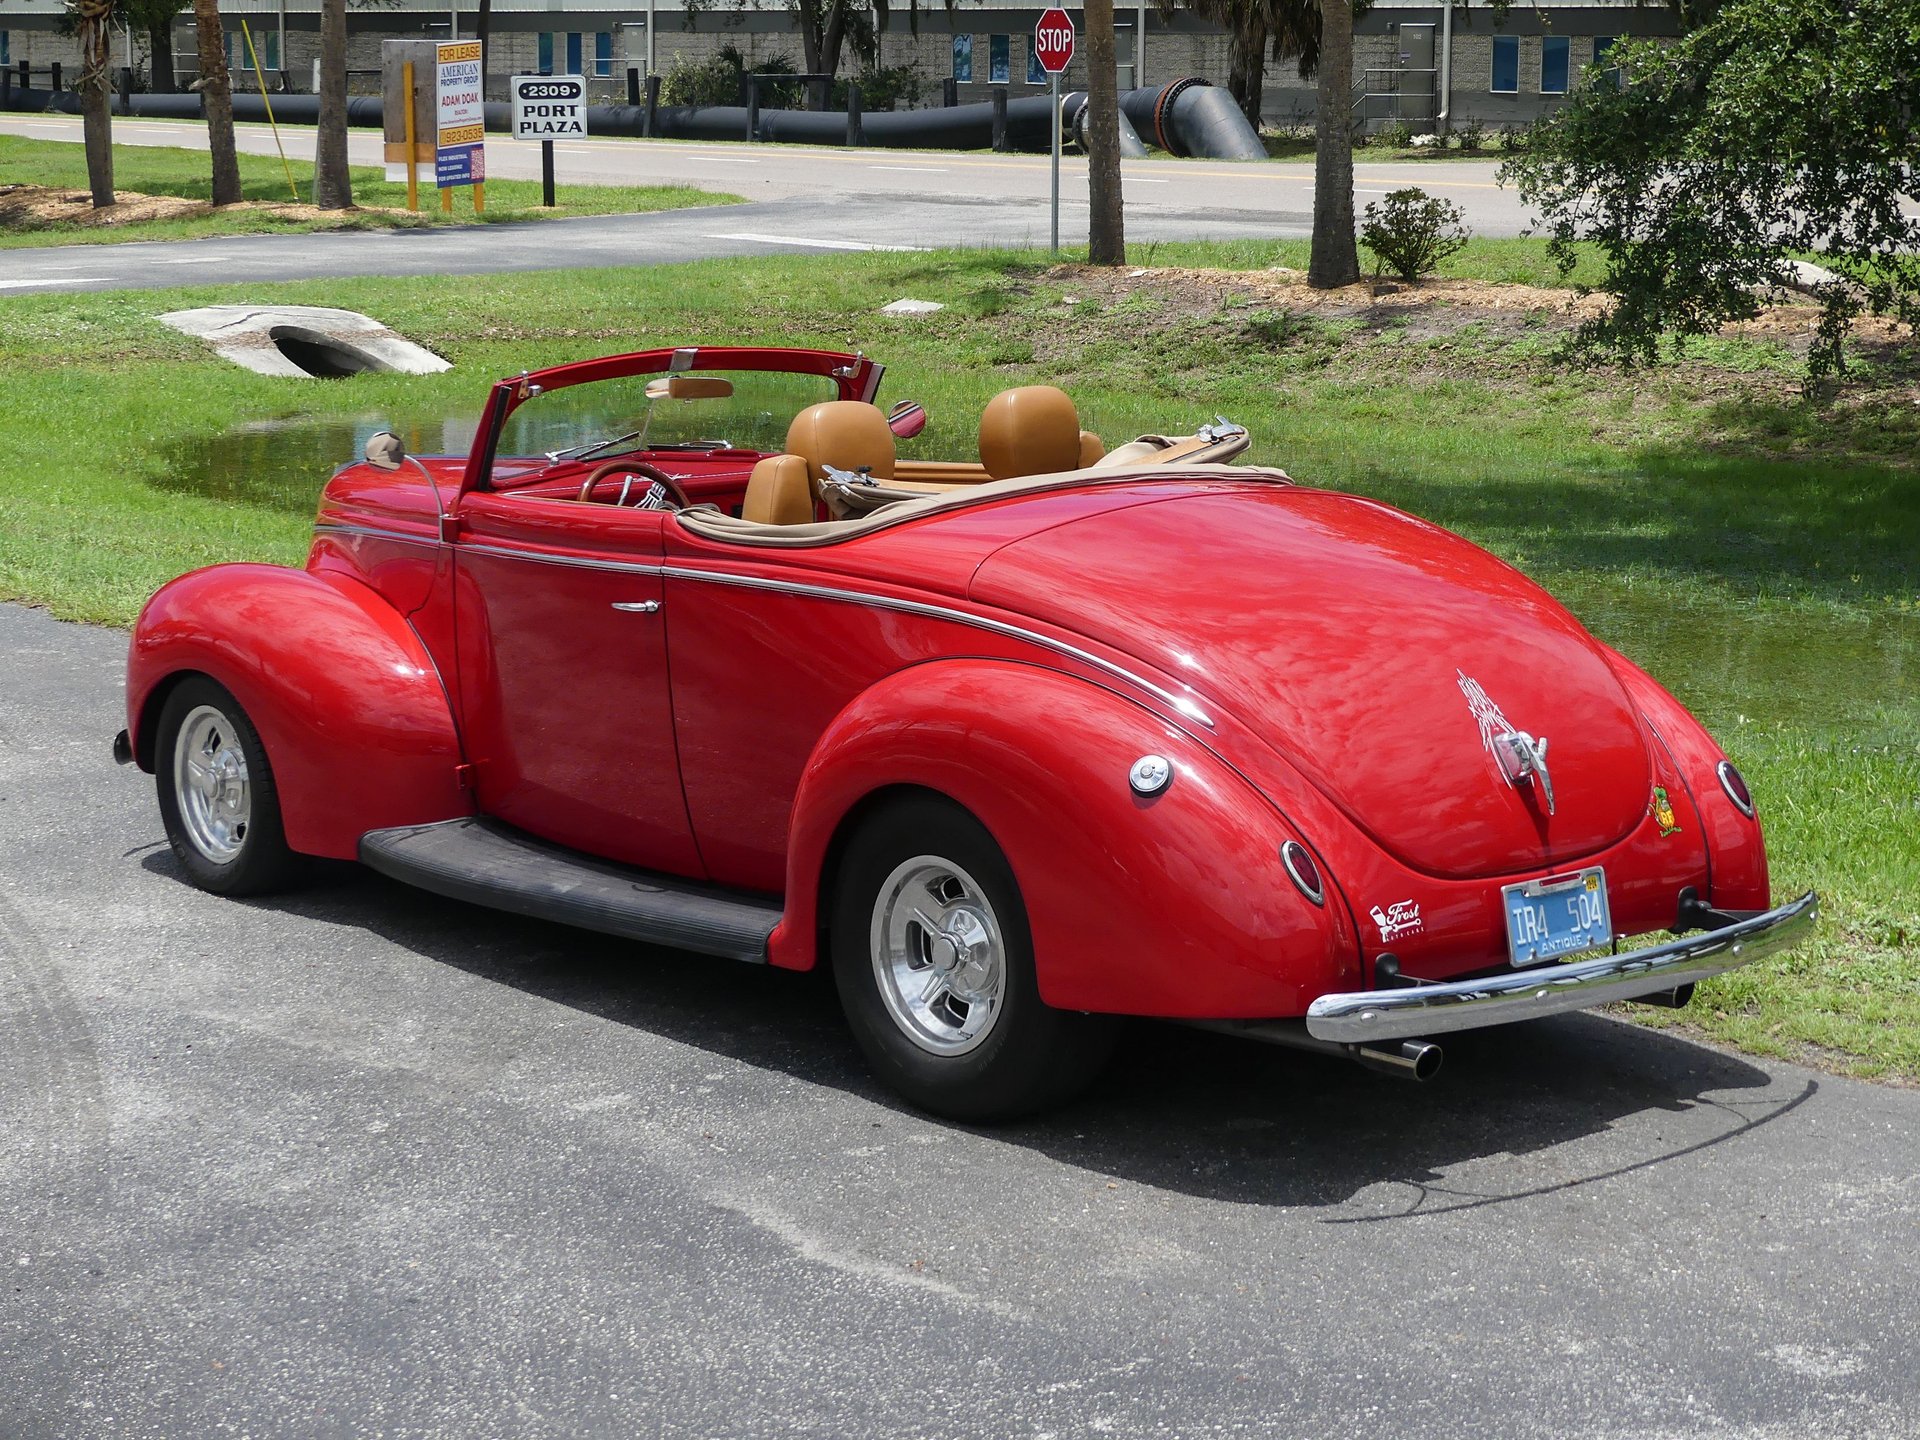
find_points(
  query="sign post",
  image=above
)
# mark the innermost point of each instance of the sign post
(460, 132)
(547, 108)
(1053, 48)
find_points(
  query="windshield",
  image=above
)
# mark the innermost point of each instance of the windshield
(694, 409)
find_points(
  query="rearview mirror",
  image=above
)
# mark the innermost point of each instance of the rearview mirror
(907, 419)
(689, 387)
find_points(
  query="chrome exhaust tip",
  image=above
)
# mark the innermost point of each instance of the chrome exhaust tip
(1410, 1059)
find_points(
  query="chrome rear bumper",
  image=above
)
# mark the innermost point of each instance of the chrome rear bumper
(1366, 1016)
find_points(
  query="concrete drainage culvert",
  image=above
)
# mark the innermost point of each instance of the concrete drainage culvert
(301, 341)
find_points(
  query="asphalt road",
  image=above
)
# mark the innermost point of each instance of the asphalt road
(359, 1161)
(801, 200)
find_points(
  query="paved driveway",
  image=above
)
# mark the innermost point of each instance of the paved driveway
(361, 1162)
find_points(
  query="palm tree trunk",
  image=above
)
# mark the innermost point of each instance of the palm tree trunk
(1106, 226)
(1335, 259)
(1247, 62)
(216, 100)
(332, 184)
(96, 17)
(160, 56)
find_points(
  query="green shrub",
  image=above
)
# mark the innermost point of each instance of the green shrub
(722, 80)
(1411, 232)
(1472, 134)
(882, 88)
(1395, 135)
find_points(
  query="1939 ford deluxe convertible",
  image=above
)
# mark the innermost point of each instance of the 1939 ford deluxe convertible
(683, 651)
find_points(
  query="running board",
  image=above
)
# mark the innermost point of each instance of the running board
(489, 864)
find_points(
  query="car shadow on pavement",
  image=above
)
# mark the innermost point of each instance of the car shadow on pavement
(1178, 1109)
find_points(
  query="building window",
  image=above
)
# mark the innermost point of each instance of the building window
(545, 49)
(1609, 73)
(963, 59)
(573, 53)
(1553, 65)
(999, 68)
(1506, 64)
(603, 53)
(1036, 72)
(6, 48)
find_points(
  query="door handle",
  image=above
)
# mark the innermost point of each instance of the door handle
(637, 607)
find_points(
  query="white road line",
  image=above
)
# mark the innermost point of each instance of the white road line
(813, 244)
(1142, 180)
(75, 280)
(196, 260)
(913, 169)
(727, 160)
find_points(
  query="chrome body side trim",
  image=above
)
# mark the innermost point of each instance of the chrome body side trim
(1366, 1016)
(331, 527)
(1182, 704)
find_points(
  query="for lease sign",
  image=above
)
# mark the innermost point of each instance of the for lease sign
(549, 107)
(460, 154)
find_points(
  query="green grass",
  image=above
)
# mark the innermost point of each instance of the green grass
(1755, 552)
(157, 170)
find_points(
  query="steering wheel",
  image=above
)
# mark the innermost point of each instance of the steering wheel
(642, 469)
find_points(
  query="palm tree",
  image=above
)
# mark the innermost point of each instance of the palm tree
(1106, 227)
(95, 20)
(1335, 259)
(1257, 30)
(216, 100)
(332, 183)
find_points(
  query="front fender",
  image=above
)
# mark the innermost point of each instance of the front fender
(347, 701)
(1736, 847)
(1174, 904)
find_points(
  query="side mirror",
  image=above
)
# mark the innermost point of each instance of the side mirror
(385, 452)
(907, 419)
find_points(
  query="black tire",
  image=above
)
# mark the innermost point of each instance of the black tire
(257, 859)
(1028, 1055)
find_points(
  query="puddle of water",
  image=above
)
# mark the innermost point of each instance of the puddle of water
(284, 464)
(1853, 675)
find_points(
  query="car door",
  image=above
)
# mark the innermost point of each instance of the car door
(565, 708)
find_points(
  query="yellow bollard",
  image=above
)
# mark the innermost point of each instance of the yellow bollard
(413, 167)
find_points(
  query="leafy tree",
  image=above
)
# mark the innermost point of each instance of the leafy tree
(216, 99)
(1778, 128)
(332, 181)
(155, 19)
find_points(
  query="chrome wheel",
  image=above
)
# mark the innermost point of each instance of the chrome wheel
(938, 955)
(211, 783)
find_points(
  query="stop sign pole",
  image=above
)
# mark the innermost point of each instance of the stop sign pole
(1053, 48)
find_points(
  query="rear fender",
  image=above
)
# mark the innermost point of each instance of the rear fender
(1172, 904)
(1736, 847)
(346, 699)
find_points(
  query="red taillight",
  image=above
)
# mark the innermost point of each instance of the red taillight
(1735, 785)
(1302, 871)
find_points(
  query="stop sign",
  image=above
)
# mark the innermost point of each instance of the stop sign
(1053, 41)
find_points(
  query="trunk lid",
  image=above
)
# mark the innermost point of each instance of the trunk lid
(1382, 655)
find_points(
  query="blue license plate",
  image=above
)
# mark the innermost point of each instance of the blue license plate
(1561, 915)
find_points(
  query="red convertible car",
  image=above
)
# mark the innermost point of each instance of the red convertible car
(685, 651)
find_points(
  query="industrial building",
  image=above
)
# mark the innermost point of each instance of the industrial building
(1409, 63)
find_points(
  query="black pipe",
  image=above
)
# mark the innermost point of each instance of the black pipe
(1192, 117)
(1022, 124)
(1073, 115)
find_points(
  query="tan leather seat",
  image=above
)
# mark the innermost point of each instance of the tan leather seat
(1033, 430)
(779, 492)
(846, 434)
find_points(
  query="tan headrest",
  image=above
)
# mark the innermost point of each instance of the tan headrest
(1092, 447)
(1030, 431)
(846, 434)
(778, 492)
